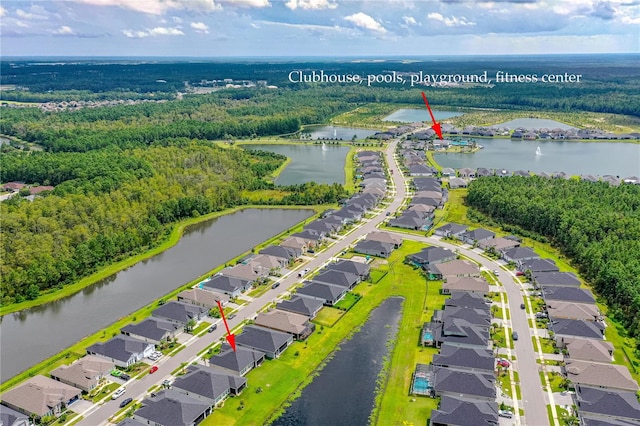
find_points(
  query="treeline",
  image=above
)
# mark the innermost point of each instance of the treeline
(594, 224)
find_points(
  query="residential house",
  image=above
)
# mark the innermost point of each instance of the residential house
(477, 236)
(465, 285)
(84, 374)
(499, 244)
(338, 278)
(385, 237)
(11, 417)
(468, 300)
(518, 255)
(447, 172)
(298, 246)
(483, 172)
(607, 404)
(457, 268)
(467, 359)
(205, 298)
(327, 293)
(308, 306)
(585, 349)
(452, 230)
(287, 253)
(359, 269)
(421, 170)
(424, 210)
(456, 182)
(374, 248)
(272, 264)
(179, 312)
(575, 311)
(209, 385)
(296, 324)
(568, 294)
(128, 421)
(123, 350)
(172, 408)
(410, 222)
(478, 317)
(271, 342)
(455, 383)
(459, 332)
(576, 328)
(430, 256)
(538, 265)
(249, 271)
(466, 173)
(41, 396)
(152, 330)
(461, 411)
(240, 361)
(562, 279)
(589, 373)
(227, 284)
(313, 239)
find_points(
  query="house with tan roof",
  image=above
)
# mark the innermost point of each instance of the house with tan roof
(570, 310)
(465, 284)
(385, 237)
(600, 375)
(458, 268)
(586, 349)
(41, 396)
(84, 374)
(205, 298)
(299, 244)
(289, 322)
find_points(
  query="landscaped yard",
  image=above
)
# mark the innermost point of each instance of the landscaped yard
(348, 301)
(328, 316)
(556, 381)
(103, 391)
(378, 273)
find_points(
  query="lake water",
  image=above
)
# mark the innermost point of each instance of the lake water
(574, 158)
(338, 132)
(534, 123)
(344, 392)
(407, 115)
(309, 162)
(30, 336)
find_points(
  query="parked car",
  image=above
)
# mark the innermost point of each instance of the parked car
(522, 306)
(276, 285)
(125, 376)
(119, 392)
(503, 363)
(303, 272)
(514, 335)
(505, 413)
(519, 273)
(232, 316)
(212, 328)
(496, 272)
(153, 369)
(126, 402)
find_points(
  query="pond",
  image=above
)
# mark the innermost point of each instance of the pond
(534, 123)
(574, 158)
(337, 132)
(344, 391)
(407, 115)
(309, 162)
(30, 336)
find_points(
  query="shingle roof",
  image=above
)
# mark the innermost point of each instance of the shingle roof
(225, 283)
(607, 402)
(357, 268)
(473, 358)
(288, 322)
(9, 416)
(539, 265)
(179, 311)
(479, 234)
(465, 412)
(262, 338)
(564, 279)
(336, 277)
(579, 328)
(479, 317)
(465, 383)
(171, 408)
(277, 251)
(588, 349)
(208, 382)
(151, 328)
(120, 347)
(432, 254)
(453, 228)
(456, 267)
(469, 300)
(321, 290)
(128, 421)
(384, 237)
(588, 420)
(236, 361)
(40, 394)
(374, 246)
(300, 304)
(570, 294)
(84, 371)
(518, 253)
(466, 284)
(596, 374)
(572, 310)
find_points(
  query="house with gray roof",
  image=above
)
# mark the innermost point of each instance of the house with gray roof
(198, 296)
(179, 312)
(152, 330)
(455, 383)
(41, 396)
(329, 294)
(122, 350)
(85, 373)
(262, 339)
(607, 404)
(588, 373)
(447, 172)
(572, 310)
(576, 328)
(281, 252)
(468, 359)
(374, 248)
(569, 294)
(297, 325)
(562, 279)
(296, 245)
(499, 244)
(461, 333)
(468, 300)
(467, 284)
(240, 361)
(518, 255)
(209, 385)
(172, 408)
(407, 221)
(361, 269)
(456, 182)
(477, 236)
(458, 268)
(385, 237)
(11, 417)
(460, 411)
(228, 285)
(585, 349)
(452, 230)
(299, 304)
(128, 421)
(427, 184)
(430, 255)
(588, 420)
(538, 265)
(337, 277)
(478, 317)
(466, 173)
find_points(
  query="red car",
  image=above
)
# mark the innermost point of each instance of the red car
(153, 369)
(503, 363)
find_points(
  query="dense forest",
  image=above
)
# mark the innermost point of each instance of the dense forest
(594, 224)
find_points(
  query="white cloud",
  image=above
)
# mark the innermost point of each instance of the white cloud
(156, 7)
(35, 13)
(154, 32)
(64, 30)
(409, 20)
(200, 27)
(450, 22)
(21, 24)
(365, 21)
(310, 4)
(3, 11)
(247, 3)
(631, 20)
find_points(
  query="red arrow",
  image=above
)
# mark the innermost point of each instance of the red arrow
(231, 338)
(436, 126)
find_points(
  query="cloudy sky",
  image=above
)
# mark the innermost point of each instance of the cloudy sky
(214, 28)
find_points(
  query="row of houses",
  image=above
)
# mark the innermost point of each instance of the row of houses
(463, 175)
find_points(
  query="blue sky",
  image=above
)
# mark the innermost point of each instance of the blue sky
(213, 28)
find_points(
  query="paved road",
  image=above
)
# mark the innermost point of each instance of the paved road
(534, 402)
(137, 389)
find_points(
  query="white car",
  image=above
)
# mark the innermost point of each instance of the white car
(118, 393)
(505, 413)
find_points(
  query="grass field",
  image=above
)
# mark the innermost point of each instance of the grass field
(328, 316)
(347, 302)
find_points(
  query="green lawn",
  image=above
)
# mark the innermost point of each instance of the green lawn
(499, 338)
(547, 346)
(555, 380)
(328, 316)
(377, 274)
(104, 391)
(200, 328)
(348, 301)
(505, 384)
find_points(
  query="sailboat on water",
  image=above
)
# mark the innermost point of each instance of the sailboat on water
(538, 151)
